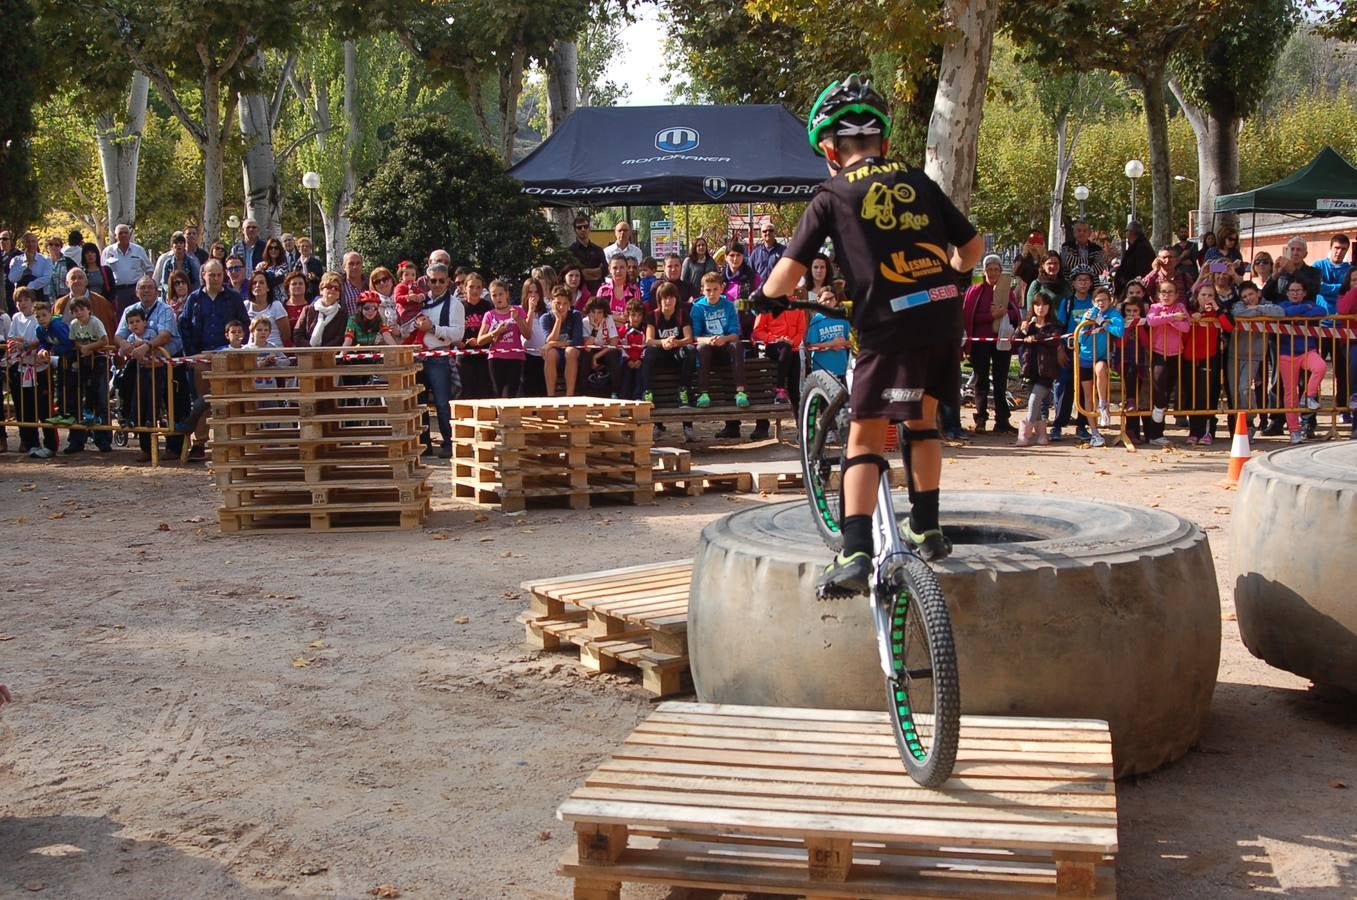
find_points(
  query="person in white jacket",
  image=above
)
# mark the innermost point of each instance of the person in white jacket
(442, 323)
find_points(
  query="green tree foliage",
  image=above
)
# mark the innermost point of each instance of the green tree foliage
(470, 42)
(1310, 63)
(439, 188)
(1339, 20)
(1014, 179)
(19, 73)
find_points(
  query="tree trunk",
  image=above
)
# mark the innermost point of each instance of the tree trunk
(1217, 131)
(953, 129)
(259, 168)
(563, 86)
(335, 213)
(510, 88)
(563, 83)
(213, 147)
(120, 153)
(1055, 224)
(1153, 84)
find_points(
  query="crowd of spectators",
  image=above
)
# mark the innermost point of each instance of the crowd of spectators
(79, 321)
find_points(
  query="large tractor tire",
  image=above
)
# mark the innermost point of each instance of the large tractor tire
(1059, 607)
(1292, 538)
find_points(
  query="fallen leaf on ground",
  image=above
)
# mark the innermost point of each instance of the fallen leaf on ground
(34, 886)
(57, 515)
(314, 868)
(20, 520)
(1341, 785)
(484, 540)
(481, 517)
(163, 526)
(28, 487)
(511, 595)
(385, 891)
(439, 535)
(317, 645)
(6, 637)
(461, 620)
(301, 662)
(544, 835)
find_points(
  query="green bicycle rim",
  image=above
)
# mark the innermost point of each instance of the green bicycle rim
(902, 709)
(814, 406)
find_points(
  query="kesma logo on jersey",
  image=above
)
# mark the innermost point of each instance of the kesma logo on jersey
(903, 270)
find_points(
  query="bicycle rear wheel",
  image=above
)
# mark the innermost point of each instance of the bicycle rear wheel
(822, 401)
(924, 696)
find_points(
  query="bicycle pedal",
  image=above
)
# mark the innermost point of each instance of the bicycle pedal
(833, 592)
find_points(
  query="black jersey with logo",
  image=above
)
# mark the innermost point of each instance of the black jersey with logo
(891, 225)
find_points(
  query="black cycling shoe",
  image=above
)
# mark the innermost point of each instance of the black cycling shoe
(931, 545)
(849, 576)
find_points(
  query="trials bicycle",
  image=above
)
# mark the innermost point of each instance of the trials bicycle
(913, 627)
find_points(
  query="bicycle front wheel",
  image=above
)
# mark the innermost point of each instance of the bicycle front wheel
(924, 694)
(823, 440)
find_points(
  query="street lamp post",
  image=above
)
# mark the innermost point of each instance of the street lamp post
(232, 226)
(1081, 194)
(1134, 169)
(311, 181)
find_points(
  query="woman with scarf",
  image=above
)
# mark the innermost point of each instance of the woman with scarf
(322, 324)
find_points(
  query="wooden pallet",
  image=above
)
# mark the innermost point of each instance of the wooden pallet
(744, 478)
(310, 451)
(635, 616)
(816, 803)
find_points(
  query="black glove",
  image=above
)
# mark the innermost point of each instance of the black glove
(764, 304)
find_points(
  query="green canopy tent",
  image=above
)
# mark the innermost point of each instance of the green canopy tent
(1325, 187)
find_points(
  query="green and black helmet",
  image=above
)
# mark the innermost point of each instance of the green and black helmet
(848, 107)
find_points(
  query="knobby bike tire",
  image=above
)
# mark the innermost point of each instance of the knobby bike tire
(925, 710)
(822, 400)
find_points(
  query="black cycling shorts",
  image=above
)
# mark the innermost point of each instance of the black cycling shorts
(892, 385)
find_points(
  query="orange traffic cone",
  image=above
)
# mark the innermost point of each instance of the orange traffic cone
(1239, 452)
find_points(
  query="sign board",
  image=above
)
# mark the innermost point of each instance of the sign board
(663, 239)
(1336, 205)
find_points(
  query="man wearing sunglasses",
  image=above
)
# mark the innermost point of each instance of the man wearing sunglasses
(588, 254)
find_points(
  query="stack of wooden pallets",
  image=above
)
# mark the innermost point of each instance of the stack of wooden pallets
(326, 444)
(633, 617)
(570, 449)
(817, 803)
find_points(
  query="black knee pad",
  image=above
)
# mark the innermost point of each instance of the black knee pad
(920, 434)
(863, 459)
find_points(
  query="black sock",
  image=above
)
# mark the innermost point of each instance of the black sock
(923, 514)
(857, 535)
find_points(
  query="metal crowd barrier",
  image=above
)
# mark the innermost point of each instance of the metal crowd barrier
(100, 394)
(1261, 366)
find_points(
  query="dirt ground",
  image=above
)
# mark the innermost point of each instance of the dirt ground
(208, 716)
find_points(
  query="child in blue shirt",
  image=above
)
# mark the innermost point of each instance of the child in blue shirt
(827, 339)
(647, 278)
(716, 328)
(1102, 322)
(56, 348)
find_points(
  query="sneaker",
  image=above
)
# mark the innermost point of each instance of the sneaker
(41, 453)
(90, 418)
(683, 397)
(1081, 433)
(1097, 440)
(1157, 414)
(703, 400)
(1273, 429)
(1005, 428)
(1311, 403)
(780, 396)
(931, 545)
(1206, 440)
(1297, 437)
(729, 433)
(613, 395)
(1057, 433)
(846, 576)
(1161, 442)
(759, 434)
(1190, 440)
(1104, 417)
(689, 434)
(648, 396)
(741, 399)
(62, 419)
(956, 434)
